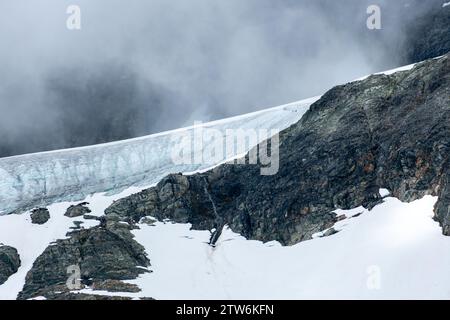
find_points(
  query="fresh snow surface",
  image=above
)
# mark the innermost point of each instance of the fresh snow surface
(72, 174)
(31, 240)
(394, 251)
(384, 192)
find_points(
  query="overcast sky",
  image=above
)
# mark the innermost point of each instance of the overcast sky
(138, 67)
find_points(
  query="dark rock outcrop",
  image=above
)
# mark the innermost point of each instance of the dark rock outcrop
(9, 262)
(385, 131)
(40, 216)
(77, 210)
(428, 35)
(105, 255)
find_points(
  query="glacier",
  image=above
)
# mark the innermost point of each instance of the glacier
(71, 174)
(43, 178)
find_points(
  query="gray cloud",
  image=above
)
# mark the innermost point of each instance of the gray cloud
(138, 67)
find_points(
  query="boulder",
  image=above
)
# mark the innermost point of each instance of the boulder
(40, 216)
(77, 210)
(9, 262)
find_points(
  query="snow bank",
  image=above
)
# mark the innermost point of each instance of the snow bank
(394, 251)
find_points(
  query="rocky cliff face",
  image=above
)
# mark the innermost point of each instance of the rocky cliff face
(383, 132)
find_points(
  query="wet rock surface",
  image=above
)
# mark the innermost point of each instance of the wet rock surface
(387, 131)
(40, 216)
(105, 255)
(9, 262)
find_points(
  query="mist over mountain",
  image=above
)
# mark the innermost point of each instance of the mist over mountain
(342, 195)
(139, 68)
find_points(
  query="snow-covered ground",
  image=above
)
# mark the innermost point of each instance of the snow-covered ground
(394, 251)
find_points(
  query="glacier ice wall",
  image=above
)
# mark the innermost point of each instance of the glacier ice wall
(71, 174)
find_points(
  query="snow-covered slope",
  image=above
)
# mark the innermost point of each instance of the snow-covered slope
(392, 252)
(74, 173)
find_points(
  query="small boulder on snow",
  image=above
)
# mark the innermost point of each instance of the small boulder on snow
(77, 210)
(40, 216)
(9, 262)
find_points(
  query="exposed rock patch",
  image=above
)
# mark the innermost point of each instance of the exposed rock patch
(9, 262)
(429, 35)
(105, 255)
(77, 210)
(40, 216)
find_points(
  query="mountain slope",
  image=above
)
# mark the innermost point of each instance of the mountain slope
(383, 132)
(386, 131)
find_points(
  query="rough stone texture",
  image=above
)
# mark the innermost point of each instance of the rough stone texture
(386, 131)
(40, 216)
(115, 286)
(77, 210)
(104, 253)
(9, 262)
(428, 36)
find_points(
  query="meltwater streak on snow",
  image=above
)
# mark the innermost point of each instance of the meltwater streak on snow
(392, 252)
(71, 174)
